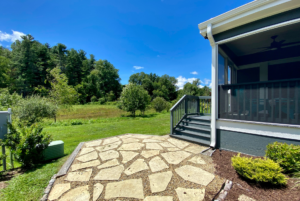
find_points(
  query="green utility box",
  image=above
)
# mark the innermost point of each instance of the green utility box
(54, 150)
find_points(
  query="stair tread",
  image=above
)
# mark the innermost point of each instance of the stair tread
(196, 128)
(193, 133)
(191, 139)
(203, 118)
(200, 123)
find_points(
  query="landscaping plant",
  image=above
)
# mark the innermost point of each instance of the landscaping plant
(259, 170)
(287, 156)
(159, 104)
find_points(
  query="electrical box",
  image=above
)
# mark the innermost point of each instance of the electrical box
(54, 150)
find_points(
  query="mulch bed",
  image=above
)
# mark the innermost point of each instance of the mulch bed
(222, 159)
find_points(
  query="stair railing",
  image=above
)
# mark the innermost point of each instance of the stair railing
(189, 105)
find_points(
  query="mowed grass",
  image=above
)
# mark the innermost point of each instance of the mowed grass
(31, 184)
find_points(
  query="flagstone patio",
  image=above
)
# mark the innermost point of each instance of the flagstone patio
(139, 167)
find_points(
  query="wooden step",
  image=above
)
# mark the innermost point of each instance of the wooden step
(191, 139)
(183, 132)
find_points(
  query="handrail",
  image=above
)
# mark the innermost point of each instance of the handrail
(174, 106)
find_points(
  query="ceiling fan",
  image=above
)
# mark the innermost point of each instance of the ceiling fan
(275, 45)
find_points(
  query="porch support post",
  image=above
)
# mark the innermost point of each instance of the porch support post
(214, 88)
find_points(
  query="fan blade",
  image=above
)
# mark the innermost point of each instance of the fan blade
(287, 44)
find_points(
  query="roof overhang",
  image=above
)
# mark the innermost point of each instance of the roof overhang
(247, 13)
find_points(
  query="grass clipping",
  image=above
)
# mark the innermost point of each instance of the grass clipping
(259, 170)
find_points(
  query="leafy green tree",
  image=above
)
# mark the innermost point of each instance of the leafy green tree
(159, 104)
(4, 67)
(8, 100)
(134, 97)
(74, 66)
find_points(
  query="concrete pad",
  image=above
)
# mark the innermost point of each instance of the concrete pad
(136, 166)
(110, 163)
(197, 160)
(85, 165)
(88, 157)
(150, 140)
(128, 155)
(107, 147)
(185, 194)
(196, 149)
(132, 188)
(153, 146)
(175, 157)
(150, 153)
(77, 194)
(86, 150)
(245, 198)
(111, 154)
(159, 181)
(173, 149)
(159, 198)
(166, 144)
(93, 143)
(130, 140)
(110, 140)
(113, 173)
(98, 188)
(58, 190)
(131, 146)
(157, 164)
(79, 176)
(178, 143)
(194, 174)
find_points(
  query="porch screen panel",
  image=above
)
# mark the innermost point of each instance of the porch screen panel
(221, 81)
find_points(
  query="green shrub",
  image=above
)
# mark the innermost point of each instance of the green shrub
(159, 104)
(259, 170)
(76, 122)
(8, 100)
(101, 100)
(93, 99)
(287, 156)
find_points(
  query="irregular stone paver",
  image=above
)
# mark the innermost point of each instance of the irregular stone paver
(166, 144)
(131, 146)
(111, 154)
(159, 181)
(136, 166)
(79, 194)
(178, 143)
(159, 198)
(110, 140)
(110, 163)
(113, 173)
(150, 153)
(128, 155)
(245, 198)
(132, 188)
(173, 149)
(58, 190)
(130, 140)
(140, 136)
(158, 138)
(94, 143)
(195, 149)
(98, 188)
(197, 160)
(153, 146)
(194, 174)
(175, 157)
(86, 150)
(79, 176)
(88, 157)
(185, 194)
(150, 140)
(107, 147)
(157, 164)
(85, 165)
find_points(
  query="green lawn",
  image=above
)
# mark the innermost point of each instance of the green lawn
(30, 185)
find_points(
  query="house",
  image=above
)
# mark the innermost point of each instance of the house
(255, 80)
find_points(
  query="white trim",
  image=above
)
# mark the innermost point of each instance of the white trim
(263, 129)
(259, 31)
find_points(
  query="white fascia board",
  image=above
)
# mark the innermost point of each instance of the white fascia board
(245, 14)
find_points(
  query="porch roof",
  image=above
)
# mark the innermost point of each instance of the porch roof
(247, 13)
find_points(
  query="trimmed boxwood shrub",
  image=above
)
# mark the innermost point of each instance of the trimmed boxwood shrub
(259, 170)
(287, 156)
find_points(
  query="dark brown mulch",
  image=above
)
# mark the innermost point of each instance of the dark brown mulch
(222, 159)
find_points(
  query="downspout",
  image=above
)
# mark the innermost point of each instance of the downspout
(214, 89)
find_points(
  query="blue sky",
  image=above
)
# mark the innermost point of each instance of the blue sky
(158, 36)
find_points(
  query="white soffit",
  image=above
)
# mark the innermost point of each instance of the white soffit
(247, 13)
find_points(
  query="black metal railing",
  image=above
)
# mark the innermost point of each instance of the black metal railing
(272, 101)
(189, 105)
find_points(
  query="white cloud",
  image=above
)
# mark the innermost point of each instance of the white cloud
(138, 67)
(194, 73)
(207, 81)
(182, 80)
(16, 35)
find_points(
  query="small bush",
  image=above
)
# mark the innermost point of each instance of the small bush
(287, 156)
(259, 170)
(93, 99)
(159, 104)
(76, 122)
(101, 101)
